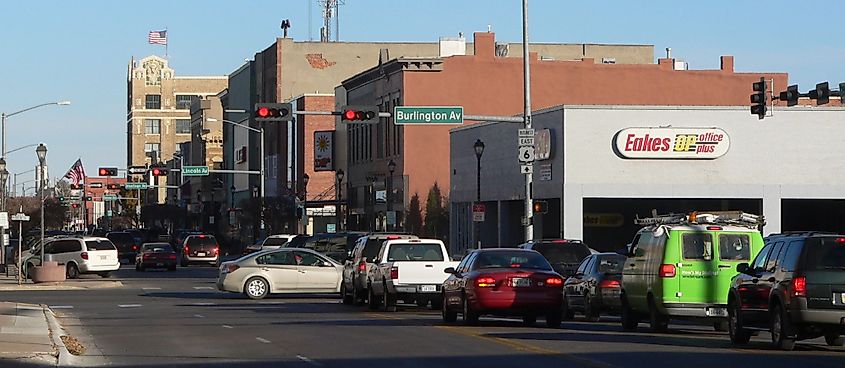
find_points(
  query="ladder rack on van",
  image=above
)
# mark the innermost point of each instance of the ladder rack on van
(737, 218)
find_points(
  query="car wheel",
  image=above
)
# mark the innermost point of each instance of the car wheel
(629, 318)
(657, 321)
(553, 319)
(357, 297)
(105, 275)
(372, 302)
(565, 312)
(448, 315)
(590, 312)
(834, 339)
(347, 299)
(388, 301)
(28, 270)
(470, 316)
(781, 338)
(738, 334)
(256, 288)
(72, 271)
(436, 303)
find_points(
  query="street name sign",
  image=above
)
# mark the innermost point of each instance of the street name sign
(526, 169)
(109, 197)
(95, 185)
(526, 141)
(195, 171)
(526, 133)
(136, 169)
(20, 217)
(136, 186)
(428, 115)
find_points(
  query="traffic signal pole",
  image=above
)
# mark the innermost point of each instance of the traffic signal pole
(529, 205)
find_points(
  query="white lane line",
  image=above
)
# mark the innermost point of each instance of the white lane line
(309, 361)
(227, 326)
(61, 307)
(271, 303)
(199, 316)
(260, 339)
(151, 288)
(203, 288)
(203, 304)
(129, 305)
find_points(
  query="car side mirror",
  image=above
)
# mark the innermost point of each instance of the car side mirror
(743, 268)
(450, 270)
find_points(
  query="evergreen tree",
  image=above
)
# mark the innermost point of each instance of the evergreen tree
(413, 217)
(434, 213)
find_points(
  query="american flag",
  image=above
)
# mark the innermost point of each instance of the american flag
(76, 173)
(157, 37)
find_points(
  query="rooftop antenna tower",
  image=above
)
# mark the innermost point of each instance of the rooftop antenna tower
(330, 9)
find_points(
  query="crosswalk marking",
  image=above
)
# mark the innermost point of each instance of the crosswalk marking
(262, 340)
(61, 307)
(129, 305)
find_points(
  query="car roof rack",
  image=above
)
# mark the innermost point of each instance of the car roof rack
(738, 218)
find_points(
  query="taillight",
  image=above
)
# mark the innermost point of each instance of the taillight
(84, 255)
(554, 281)
(215, 250)
(171, 256)
(231, 267)
(840, 240)
(362, 267)
(667, 270)
(185, 249)
(799, 287)
(714, 228)
(485, 282)
(394, 272)
(609, 284)
(134, 247)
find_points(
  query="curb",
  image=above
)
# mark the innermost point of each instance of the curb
(61, 286)
(63, 356)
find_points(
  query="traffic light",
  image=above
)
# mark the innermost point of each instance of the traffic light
(62, 199)
(75, 205)
(541, 207)
(299, 212)
(790, 95)
(113, 186)
(273, 112)
(758, 99)
(89, 198)
(108, 171)
(158, 171)
(821, 94)
(359, 114)
(76, 186)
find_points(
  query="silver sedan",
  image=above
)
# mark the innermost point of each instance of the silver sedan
(280, 271)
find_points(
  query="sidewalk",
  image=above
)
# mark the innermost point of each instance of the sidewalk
(30, 334)
(10, 283)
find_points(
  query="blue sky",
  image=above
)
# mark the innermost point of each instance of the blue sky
(78, 50)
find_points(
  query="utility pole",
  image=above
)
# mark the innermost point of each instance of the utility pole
(529, 177)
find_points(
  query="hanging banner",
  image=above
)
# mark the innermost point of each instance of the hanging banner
(324, 150)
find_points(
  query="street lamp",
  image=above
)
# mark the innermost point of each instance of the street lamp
(4, 115)
(479, 150)
(41, 151)
(391, 167)
(340, 174)
(305, 179)
(3, 178)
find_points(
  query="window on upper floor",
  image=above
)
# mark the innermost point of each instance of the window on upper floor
(183, 126)
(183, 102)
(152, 126)
(153, 102)
(152, 147)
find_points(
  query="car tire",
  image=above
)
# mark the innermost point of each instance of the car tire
(105, 275)
(738, 334)
(388, 301)
(565, 312)
(834, 339)
(183, 263)
(347, 299)
(256, 288)
(590, 312)
(553, 319)
(357, 298)
(780, 329)
(372, 302)
(469, 315)
(449, 316)
(657, 321)
(629, 318)
(72, 271)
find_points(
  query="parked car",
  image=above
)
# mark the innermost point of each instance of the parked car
(595, 287)
(795, 289)
(336, 246)
(284, 270)
(360, 260)
(155, 255)
(249, 249)
(276, 241)
(200, 248)
(410, 270)
(178, 238)
(506, 282)
(682, 266)
(563, 254)
(79, 255)
(127, 245)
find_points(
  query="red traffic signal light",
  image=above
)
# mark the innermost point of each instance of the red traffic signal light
(273, 112)
(541, 207)
(108, 171)
(75, 205)
(113, 186)
(362, 114)
(158, 171)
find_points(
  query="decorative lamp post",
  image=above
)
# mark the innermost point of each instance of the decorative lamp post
(340, 174)
(479, 150)
(41, 151)
(391, 167)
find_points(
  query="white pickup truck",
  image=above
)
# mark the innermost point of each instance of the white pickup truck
(410, 270)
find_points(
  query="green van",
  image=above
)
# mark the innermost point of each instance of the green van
(681, 266)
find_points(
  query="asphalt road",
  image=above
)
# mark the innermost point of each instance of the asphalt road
(178, 319)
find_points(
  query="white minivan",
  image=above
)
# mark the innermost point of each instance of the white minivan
(79, 255)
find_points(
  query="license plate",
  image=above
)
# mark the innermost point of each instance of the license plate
(200, 254)
(520, 282)
(716, 312)
(428, 288)
(159, 264)
(103, 258)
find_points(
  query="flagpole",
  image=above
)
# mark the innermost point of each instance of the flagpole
(165, 42)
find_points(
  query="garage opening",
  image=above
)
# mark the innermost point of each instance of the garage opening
(813, 214)
(609, 222)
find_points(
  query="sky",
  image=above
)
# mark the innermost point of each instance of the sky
(78, 50)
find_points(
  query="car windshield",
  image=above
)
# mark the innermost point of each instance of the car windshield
(122, 238)
(100, 244)
(420, 252)
(563, 253)
(512, 259)
(275, 241)
(829, 254)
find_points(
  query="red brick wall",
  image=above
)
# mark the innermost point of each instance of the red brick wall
(323, 180)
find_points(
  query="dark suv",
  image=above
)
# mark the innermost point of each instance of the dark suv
(336, 246)
(565, 255)
(794, 288)
(127, 245)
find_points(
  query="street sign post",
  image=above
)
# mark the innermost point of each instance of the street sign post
(526, 169)
(526, 154)
(136, 169)
(195, 171)
(136, 186)
(20, 217)
(478, 211)
(428, 115)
